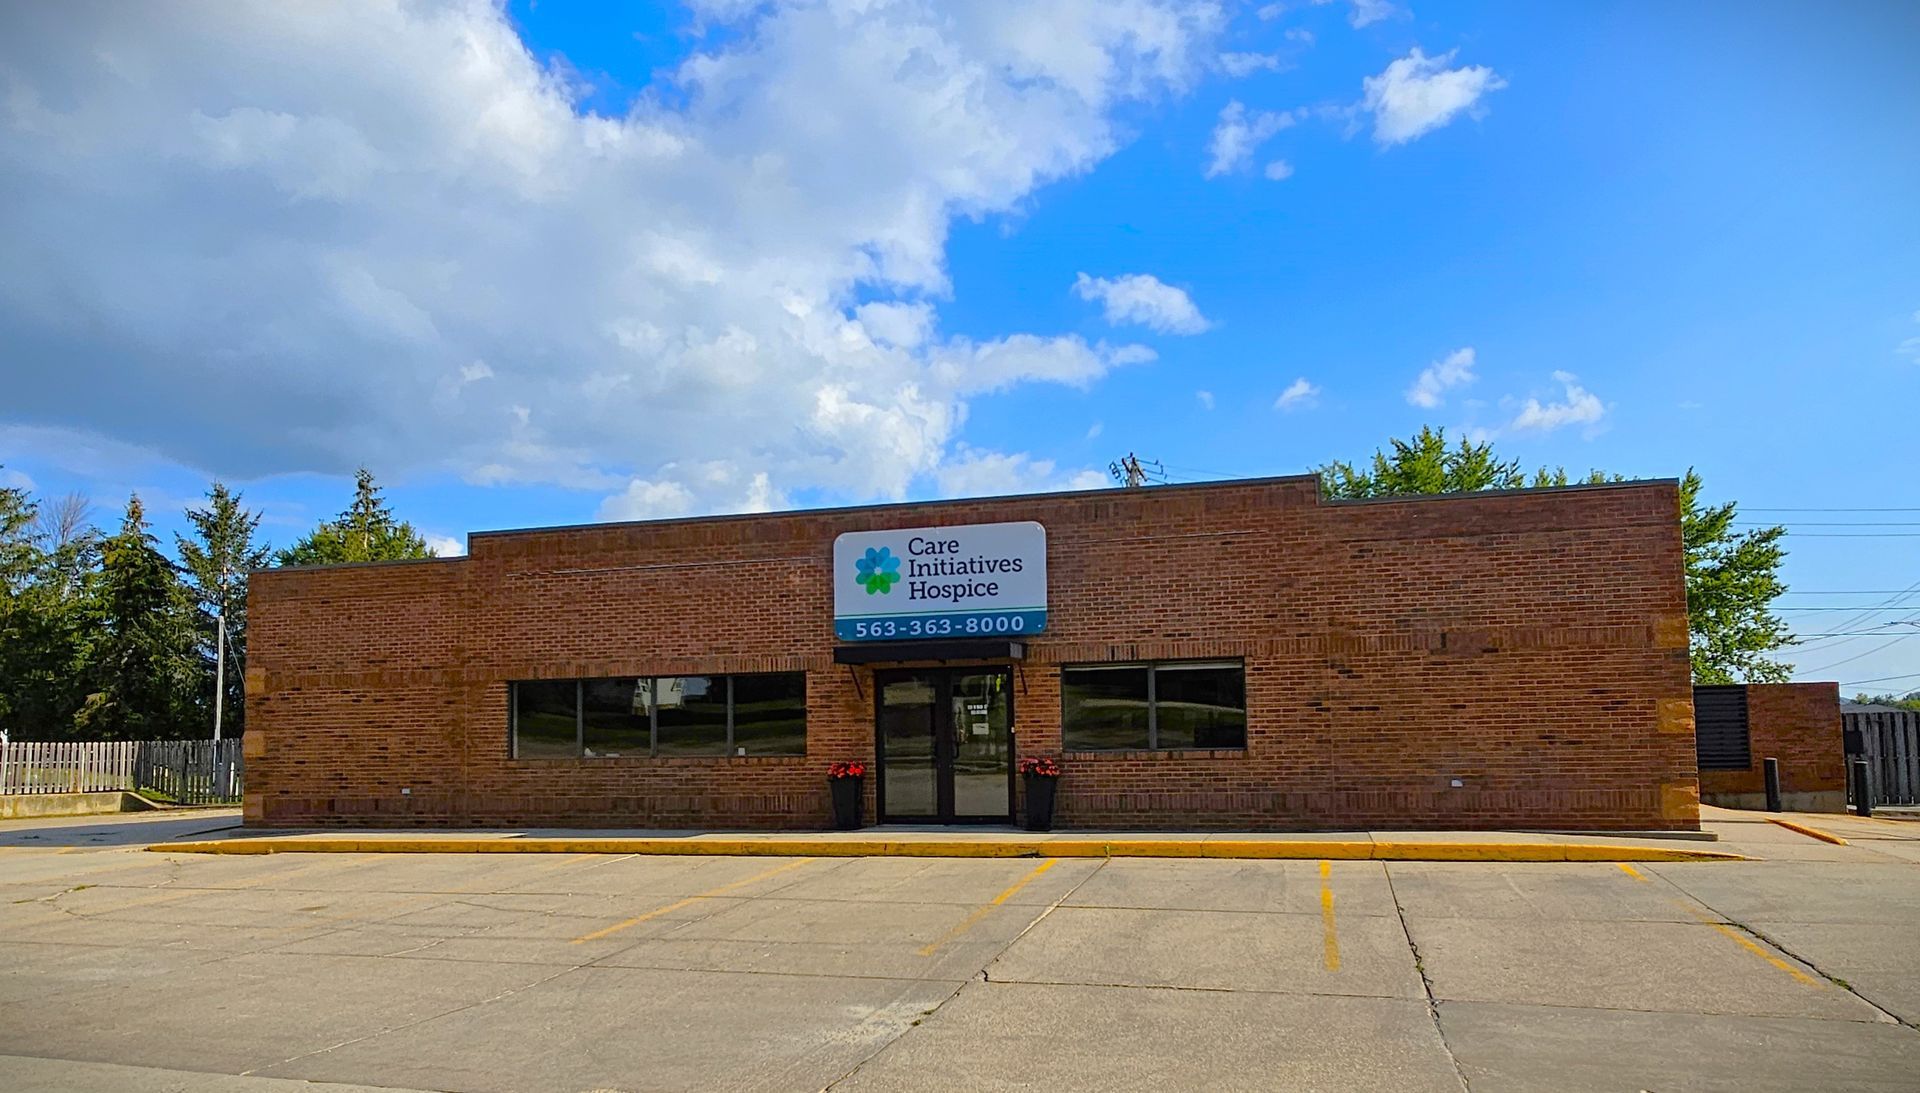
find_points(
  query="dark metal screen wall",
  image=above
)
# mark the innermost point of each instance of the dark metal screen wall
(1720, 728)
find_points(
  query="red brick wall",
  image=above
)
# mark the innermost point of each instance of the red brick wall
(1798, 724)
(1532, 645)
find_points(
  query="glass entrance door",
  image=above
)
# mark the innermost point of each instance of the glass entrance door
(944, 741)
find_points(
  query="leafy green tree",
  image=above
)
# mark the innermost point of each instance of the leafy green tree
(142, 669)
(1908, 701)
(366, 532)
(1733, 577)
(215, 561)
(48, 570)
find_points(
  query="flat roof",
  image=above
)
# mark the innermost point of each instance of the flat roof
(1103, 491)
(1181, 487)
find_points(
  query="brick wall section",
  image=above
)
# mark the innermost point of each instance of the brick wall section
(1798, 724)
(1530, 644)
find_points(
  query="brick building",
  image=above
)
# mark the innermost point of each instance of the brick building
(1742, 725)
(1234, 655)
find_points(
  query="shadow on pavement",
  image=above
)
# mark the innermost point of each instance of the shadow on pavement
(137, 829)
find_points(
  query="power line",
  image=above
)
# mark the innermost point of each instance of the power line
(1857, 656)
(1830, 523)
(1849, 608)
(1851, 592)
(1879, 679)
(1750, 508)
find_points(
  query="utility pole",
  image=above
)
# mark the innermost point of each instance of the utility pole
(1130, 472)
(219, 666)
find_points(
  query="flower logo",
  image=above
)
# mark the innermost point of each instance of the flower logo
(879, 570)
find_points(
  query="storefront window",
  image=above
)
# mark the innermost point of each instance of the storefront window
(1200, 706)
(770, 714)
(1175, 706)
(614, 717)
(691, 712)
(1106, 709)
(546, 722)
(764, 714)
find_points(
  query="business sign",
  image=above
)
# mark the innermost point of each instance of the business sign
(977, 580)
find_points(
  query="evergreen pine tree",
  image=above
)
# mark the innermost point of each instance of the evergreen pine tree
(215, 562)
(366, 532)
(142, 668)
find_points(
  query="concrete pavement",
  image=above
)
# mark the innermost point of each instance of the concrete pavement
(121, 969)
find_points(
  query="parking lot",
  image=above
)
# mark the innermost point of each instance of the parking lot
(133, 970)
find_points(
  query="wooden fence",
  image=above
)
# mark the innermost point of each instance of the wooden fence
(1890, 742)
(178, 771)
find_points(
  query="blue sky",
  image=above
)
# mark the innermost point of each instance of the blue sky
(546, 264)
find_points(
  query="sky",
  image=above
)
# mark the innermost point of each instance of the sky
(557, 263)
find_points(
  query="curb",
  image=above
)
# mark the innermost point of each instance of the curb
(1271, 849)
(1810, 832)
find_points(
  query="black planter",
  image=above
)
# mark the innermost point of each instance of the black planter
(1040, 789)
(848, 802)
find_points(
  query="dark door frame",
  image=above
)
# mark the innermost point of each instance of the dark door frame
(942, 741)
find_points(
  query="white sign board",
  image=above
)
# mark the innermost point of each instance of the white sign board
(975, 580)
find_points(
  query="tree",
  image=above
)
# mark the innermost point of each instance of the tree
(366, 532)
(1732, 580)
(1426, 465)
(20, 563)
(47, 577)
(1732, 577)
(215, 562)
(142, 669)
(1908, 701)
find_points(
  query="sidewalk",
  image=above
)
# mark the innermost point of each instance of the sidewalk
(980, 843)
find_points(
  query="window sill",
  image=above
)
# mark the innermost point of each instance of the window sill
(1158, 753)
(661, 761)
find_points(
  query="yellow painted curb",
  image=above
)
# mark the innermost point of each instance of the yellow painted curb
(1295, 849)
(1810, 832)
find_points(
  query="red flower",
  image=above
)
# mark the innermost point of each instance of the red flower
(1044, 766)
(847, 770)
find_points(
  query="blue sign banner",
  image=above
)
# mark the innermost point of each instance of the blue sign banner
(970, 580)
(951, 624)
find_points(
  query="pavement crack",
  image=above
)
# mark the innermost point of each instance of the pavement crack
(981, 976)
(1804, 961)
(1426, 981)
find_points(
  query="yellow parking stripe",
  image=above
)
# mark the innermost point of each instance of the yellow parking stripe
(689, 901)
(968, 922)
(1741, 939)
(1332, 938)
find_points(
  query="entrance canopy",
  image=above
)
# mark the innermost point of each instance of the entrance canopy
(894, 652)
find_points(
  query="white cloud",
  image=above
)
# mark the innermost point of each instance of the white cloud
(1577, 407)
(1238, 134)
(1279, 170)
(1910, 348)
(16, 480)
(1300, 34)
(1205, 398)
(1453, 370)
(1267, 13)
(1143, 299)
(446, 546)
(1298, 395)
(736, 271)
(1246, 64)
(1094, 430)
(1418, 94)
(977, 473)
(1368, 12)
